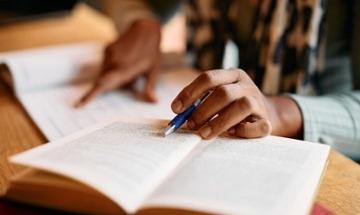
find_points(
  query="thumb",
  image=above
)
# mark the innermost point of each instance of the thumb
(259, 128)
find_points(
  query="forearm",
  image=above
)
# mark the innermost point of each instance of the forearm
(331, 119)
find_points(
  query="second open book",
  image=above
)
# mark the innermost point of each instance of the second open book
(136, 168)
(49, 81)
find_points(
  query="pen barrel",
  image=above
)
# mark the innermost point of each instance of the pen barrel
(180, 119)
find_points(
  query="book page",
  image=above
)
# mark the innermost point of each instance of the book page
(53, 109)
(271, 175)
(124, 161)
(49, 81)
(48, 67)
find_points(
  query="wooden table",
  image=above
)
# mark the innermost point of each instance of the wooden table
(339, 191)
(82, 24)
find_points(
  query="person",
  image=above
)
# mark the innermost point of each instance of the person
(297, 79)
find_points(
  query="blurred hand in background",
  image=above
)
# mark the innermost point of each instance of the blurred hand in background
(133, 55)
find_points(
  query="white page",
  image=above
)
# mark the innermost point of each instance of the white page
(53, 109)
(52, 66)
(49, 81)
(271, 175)
(124, 161)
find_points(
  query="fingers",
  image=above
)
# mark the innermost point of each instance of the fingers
(150, 84)
(109, 61)
(220, 98)
(107, 82)
(202, 84)
(113, 79)
(235, 102)
(97, 88)
(258, 128)
(230, 116)
(90, 95)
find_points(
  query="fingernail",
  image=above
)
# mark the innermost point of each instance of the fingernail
(205, 131)
(191, 124)
(176, 106)
(232, 131)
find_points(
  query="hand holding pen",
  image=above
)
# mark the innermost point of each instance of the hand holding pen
(181, 118)
(235, 105)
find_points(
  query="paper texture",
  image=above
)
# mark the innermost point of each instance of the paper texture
(50, 81)
(259, 176)
(53, 109)
(130, 162)
(136, 167)
(36, 69)
(124, 161)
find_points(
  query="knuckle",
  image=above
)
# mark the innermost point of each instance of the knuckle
(186, 94)
(241, 104)
(249, 103)
(224, 92)
(208, 77)
(240, 71)
(242, 74)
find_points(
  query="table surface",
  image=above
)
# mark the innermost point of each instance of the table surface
(339, 191)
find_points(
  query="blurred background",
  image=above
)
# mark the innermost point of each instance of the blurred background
(20, 13)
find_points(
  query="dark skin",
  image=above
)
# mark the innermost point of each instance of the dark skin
(235, 104)
(133, 55)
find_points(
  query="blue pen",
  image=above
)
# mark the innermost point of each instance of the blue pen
(181, 118)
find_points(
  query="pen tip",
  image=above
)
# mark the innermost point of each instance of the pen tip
(168, 130)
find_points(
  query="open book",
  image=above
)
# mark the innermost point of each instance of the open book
(128, 166)
(48, 82)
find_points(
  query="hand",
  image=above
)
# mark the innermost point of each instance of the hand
(134, 54)
(235, 105)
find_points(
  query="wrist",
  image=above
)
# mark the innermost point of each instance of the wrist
(285, 117)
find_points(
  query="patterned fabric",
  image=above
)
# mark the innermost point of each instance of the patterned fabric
(285, 51)
(338, 126)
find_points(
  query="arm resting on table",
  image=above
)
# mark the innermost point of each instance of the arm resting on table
(332, 119)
